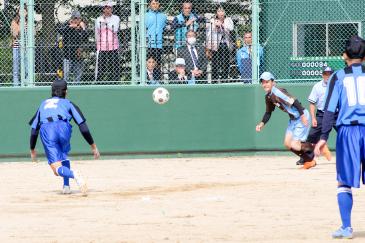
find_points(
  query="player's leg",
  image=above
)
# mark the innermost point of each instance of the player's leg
(65, 131)
(304, 149)
(348, 157)
(66, 181)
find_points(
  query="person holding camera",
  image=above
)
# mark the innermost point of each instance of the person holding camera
(219, 44)
(74, 34)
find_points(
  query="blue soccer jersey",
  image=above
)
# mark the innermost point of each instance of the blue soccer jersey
(346, 92)
(54, 109)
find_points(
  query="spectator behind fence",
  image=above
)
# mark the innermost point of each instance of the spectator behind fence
(107, 44)
(153, 73)
(184, 22)
(155, 24)
(244, 58)
(74, 34)
(194, 56)
(179, 75)
(16, 45)
(219, 44)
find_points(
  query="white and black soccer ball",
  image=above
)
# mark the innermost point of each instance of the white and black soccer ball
(160, 95)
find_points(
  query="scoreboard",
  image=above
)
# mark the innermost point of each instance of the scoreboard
(311, 67)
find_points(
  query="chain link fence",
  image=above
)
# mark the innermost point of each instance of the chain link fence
(196, 42)
(300, 37)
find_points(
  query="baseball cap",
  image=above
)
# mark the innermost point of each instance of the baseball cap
(355, 47)
(180, 61)
(107, 4)
(266, 76)
(327, 69)
(75, 14)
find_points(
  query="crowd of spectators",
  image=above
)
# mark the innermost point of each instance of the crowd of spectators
(200, 56)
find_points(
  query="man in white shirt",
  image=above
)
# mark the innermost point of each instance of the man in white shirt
(317, 101)
(107, 44)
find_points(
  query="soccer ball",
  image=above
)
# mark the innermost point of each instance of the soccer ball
(160, 95)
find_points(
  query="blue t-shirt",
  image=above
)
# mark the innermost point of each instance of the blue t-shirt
(54, 109)
(346, 91)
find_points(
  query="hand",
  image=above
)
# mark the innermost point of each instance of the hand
(190, 21)
(314, 122)
(197, 72)
(33, 155)
(95, 151)
(318, 148)
(304, 120)
(259, 126)
(82, 25)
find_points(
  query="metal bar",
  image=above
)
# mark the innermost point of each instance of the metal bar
(255, 42)
(30, 45)
(22, 43)
(133, 42)
(143, 47)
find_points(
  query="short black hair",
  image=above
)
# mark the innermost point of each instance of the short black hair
(355, 47)
(59, 88)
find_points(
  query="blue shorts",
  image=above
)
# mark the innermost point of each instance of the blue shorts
(298, 130)
(56, 137)
(350, 155)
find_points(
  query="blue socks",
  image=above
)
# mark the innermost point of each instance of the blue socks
(66, 180)
(66, 173)
(344, 198)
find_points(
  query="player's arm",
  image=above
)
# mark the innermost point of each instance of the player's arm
(297, 105)
(313, 99)
(312, 110)
(270, 107)
(84, 129)
(264, 120)
(35, 124)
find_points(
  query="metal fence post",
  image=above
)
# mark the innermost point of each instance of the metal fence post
(30, 46)
(22, 43)
(255, 41)
(133, 42)
(142, 49)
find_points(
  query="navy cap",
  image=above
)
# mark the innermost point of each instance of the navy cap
(355, 47)
(327, 69)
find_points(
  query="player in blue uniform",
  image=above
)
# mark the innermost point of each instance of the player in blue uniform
(346, 91)
(52, 121)
(297, 131)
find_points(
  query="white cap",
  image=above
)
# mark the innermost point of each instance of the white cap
(267, 76)
(180, 61)
(107, 4)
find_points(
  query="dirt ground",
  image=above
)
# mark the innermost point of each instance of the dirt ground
(231, 199)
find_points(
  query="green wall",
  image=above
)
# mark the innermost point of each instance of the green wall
(125, 119)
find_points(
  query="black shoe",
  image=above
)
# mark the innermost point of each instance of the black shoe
(300, 161)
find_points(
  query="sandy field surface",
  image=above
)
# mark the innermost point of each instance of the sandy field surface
(230, 199)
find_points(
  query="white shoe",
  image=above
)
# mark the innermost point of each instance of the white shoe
(80, 182)
(66, 190)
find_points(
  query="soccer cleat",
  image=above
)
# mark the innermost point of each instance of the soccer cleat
(308, 165)
(343, 233)
(326, 152)
(300, 161)
(80, 182)
(66, 190)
